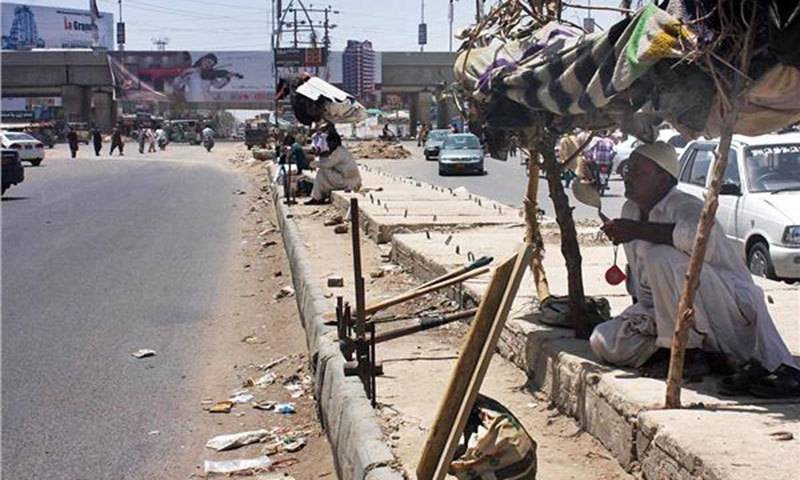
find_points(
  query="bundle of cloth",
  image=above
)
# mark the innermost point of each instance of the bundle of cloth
(314, 100)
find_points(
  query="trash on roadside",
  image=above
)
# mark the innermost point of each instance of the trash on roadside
(266, 379)
(268, 243)
(335, 220)
(249, 382)
(242, 397)
(285, 408)
(154, 432)
(273, 363)
(236, 466)
(341, 229)
(335, 281)
(144, 353)
(223, 406)
(236, 440)
(252, 339)
(265, 405)
(377, 273)
(292, 444)
(296, 390)
(286, 291)
(239, 192)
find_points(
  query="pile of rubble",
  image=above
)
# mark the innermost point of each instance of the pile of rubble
(378, 149)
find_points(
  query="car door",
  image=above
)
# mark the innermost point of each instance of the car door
(694, 174)
(729, 208)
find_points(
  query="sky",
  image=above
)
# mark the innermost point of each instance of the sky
(391, 25)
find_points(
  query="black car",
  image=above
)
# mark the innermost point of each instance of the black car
(13, 173)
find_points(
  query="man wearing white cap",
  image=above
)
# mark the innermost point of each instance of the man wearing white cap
(657, 230)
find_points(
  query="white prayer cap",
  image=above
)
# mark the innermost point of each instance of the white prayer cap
(662, 153)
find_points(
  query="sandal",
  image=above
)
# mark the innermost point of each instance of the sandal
(740, 382)
(782, 383)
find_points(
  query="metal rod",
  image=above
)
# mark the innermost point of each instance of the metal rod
(359, 280)
(424, 325)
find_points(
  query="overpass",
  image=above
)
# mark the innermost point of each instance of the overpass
(416, 77)
(81, 78)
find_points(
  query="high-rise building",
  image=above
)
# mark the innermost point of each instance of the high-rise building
(23, 34)
(358, 70)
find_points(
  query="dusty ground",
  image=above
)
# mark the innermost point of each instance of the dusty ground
(258, 329)
(417, 368)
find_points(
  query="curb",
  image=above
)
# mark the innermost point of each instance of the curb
(357, 443)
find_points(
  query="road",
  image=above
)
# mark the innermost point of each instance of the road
(101, 257)
(505, 182)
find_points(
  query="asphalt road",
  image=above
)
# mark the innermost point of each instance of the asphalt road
(505, 182)
(101, 257)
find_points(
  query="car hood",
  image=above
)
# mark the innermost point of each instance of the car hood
(784, 204)
(461, 153)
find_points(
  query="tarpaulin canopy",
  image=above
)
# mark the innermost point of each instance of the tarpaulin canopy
(636, 74)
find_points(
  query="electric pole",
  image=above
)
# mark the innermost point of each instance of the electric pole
(160, 43)
(120, 30)
(450, 19)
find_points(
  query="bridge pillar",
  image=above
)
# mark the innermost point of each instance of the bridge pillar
(104, 110)
(443, 112)
(420, 110)
(77, 103)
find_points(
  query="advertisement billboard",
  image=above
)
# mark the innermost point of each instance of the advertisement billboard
(210, 78)
(28, 26)
(202, 77)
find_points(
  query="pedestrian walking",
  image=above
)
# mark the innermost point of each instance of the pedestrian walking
(142, 139)
(97, 141)
(116, 142)
(72, 139)
(151, 140)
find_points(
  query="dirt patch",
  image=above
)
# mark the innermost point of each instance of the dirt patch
(378, 149)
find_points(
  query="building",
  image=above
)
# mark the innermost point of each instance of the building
(23, 33)
(358, 70)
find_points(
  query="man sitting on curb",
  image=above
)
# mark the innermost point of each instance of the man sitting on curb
(657, 230)
(337, 170)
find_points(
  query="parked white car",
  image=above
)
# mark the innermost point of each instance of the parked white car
(759, 203)
(29, 148)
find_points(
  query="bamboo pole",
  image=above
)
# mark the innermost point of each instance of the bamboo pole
(532, 233)
(685, 318)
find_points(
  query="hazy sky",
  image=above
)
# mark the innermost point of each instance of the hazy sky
(391, 25)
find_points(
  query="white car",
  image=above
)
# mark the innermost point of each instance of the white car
(30, 149)
(759, 202)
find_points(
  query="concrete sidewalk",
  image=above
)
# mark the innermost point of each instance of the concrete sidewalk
(718, 438)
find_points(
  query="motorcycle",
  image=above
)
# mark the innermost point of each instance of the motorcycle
(208, 143)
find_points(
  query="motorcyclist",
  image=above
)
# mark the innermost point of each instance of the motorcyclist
(208, 137)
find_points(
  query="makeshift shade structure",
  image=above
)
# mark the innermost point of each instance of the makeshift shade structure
(707, 67)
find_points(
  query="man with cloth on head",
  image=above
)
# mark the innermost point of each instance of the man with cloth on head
(657, 229)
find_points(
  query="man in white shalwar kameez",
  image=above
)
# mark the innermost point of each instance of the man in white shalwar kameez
(657, 229)
(337, 171)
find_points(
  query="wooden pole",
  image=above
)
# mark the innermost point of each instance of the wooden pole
(532, 233)
(569, 238)
(685, 318)
(471, 367)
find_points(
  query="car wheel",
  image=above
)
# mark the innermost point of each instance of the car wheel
(442, 173)
(36, 162)
(759, 262)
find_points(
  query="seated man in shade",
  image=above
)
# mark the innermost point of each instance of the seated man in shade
(657, 230)
(337, 171)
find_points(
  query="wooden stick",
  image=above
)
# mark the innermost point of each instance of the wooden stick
(570, 249)
(685, 317)
(532, 233)
(422, 291)
(471, 367)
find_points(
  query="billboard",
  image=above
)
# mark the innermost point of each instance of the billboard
(209, 78)
(27, 26)
(202, 77)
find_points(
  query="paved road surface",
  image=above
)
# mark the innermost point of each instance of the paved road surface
(505, 182)
(100, 258)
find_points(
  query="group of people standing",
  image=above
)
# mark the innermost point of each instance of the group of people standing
(146, 136)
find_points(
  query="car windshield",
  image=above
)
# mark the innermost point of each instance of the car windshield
(438, 135)
(773, 168)
(18, 136)
(462, 142)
